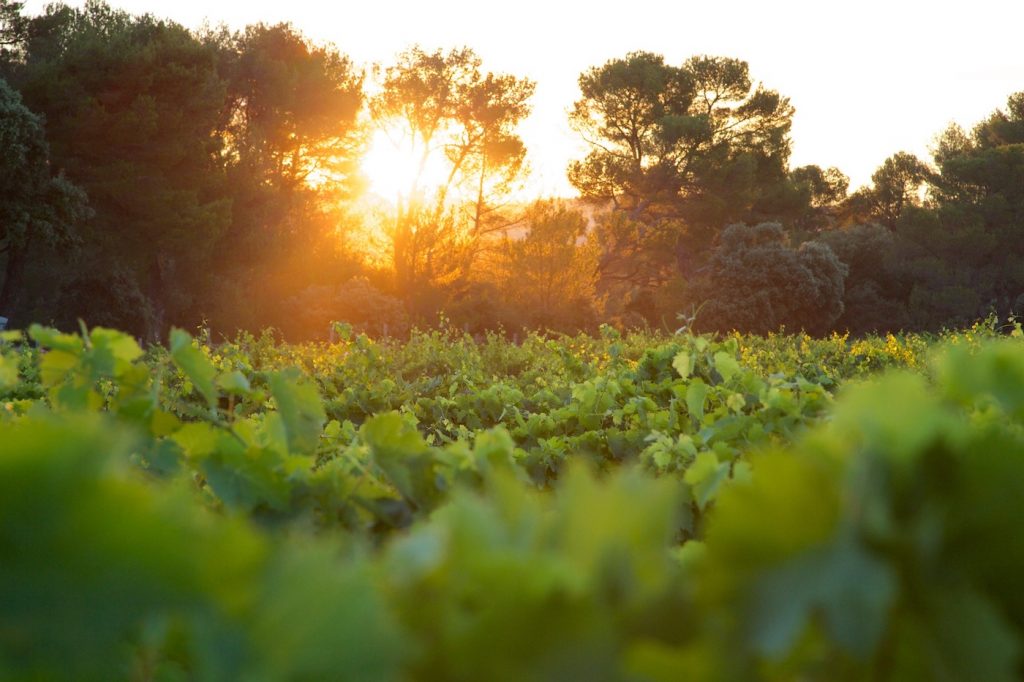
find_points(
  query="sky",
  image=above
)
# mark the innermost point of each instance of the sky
(867, 78)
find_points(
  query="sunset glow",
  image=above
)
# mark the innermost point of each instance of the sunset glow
(394, 168)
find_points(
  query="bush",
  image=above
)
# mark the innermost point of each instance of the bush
(756, 283)
(356, 302)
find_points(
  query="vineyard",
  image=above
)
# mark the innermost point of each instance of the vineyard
(632, 507)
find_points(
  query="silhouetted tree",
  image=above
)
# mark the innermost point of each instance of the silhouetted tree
(821, 194)
(37, 208)
(12, 26)
(876, 286)
(699, 143)
(133, 107)
(895, 186)
(293, 145)
(972, 233)
(442, 105)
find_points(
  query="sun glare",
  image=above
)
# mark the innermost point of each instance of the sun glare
(391, 166)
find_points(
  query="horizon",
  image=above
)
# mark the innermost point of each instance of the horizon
(829, 129)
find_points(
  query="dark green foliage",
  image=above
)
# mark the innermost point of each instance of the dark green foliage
(292, 147)
(134, 107)
(37, 209)
(950, 249)
(757, 283)
(12, 28)
(820, 194)
(196, 151)
(875, 289)
(110, 299)
(682, 150)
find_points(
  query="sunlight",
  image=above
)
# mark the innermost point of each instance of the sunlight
(391, 167)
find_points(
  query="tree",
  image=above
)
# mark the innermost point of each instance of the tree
(134, 107)
(294, 106)
(1003, 127)
(822, 193)
(876, 286)
(356, 302)
(973, 230)
(699, 143)
(442, 105)
(756, 283)
(36, 207)
(896, 185)
(12, 25)
(549, 271)
(293, 144)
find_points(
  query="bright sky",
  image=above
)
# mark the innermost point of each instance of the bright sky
(867, 78)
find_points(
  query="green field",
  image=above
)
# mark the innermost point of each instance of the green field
(621, 507)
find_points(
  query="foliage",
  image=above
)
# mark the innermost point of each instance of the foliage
(953, 225)
(291, 156)
(442, 105)
(36, 208)
(896, 185)
(757, 283)
(549, 271)
(105, 79)
(698, 143)
(823, 192)
(875, 288)
(356, 302)
(740, 525)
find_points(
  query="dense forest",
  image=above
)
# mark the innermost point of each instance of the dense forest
(154, 175)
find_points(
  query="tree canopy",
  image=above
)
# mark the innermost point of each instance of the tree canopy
(443, 104)
(155, 175)
(37, 208)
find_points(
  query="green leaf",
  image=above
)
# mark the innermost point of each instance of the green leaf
(163, 423)
(200, 439)
(322, 619)
(683, 364)
(51, 338)
(399, 450)
(696, 393)
(124, 348)
(298, 403)
(726, 365)
(247, 479)
(55, 366)
(234, 383)
(706, 475)
(852, 589)
(194, 363)
(8, 372)
(493, 449)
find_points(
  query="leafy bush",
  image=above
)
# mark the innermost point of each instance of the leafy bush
(757, 283)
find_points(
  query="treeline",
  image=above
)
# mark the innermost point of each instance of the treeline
(152, 175)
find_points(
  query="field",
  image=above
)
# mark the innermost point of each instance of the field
(612, 507)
